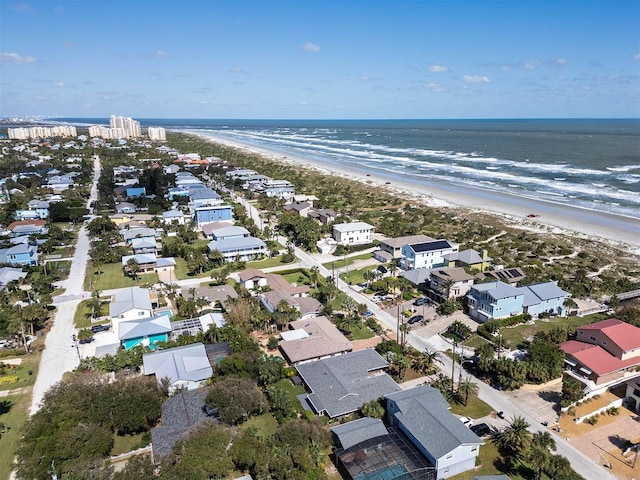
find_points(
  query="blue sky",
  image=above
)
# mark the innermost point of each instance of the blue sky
(331, 59)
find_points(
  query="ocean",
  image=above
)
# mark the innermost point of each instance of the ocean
(588, 163)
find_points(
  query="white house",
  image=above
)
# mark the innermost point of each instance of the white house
(426, 254)
(354, 233)
(131, 303)
(184, 367)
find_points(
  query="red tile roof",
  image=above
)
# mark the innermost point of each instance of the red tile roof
(596, 358)
(36, 223)
(625, 335)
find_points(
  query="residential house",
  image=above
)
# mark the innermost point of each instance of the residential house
(20, 254)
(632, 395)
(354, 233)
(123, 170)
(173, 217)
(145, 245)
(343, 384)
(204, 197)
(253, 279)
(133, 303)
(171, 169)
(10, 274)
(366, 448)
(217, 297)
(242, 249)
(196, 326)
(134, 192)
(470, 259)
(37, 209)
(391, 248)
(229, 232)
(422, 414)
(604, 352)
(146, 262)
(212, 213)
(301, 208)
(312, 339)
(487, 301)
(185, 367)
(125, 207)
(512, 276)
(131, 234)
(323, 215)
(28, 227)
(451, 282)
(145, 331)
(60, 183)
(174, 192)
(309, 307)
(426, 254)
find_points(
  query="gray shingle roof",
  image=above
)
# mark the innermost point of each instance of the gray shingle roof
(144, 327)
(424, 413)
(128, 299)
(188, 363)
(342, 384)
(352, 433)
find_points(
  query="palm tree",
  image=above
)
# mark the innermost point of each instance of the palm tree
(446, 287)
(405, 328)
(542, 444)
(467, 388)
(515, 440)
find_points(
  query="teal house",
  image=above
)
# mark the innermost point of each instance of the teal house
(145, 331)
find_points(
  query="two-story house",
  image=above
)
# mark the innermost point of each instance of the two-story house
(354, 233)
(133, 303)
(426, 254)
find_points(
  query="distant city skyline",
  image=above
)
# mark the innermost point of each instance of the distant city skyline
(320, 59)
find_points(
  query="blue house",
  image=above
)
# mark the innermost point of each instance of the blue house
(213, 213)
(487, 301)
(21, 254)
(133, 192)
(544, 298)
(204, 197)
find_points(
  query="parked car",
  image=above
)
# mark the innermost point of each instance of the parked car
(466, 421)
(481, 430)
(99, 328)
(415, 319)
(421, 301)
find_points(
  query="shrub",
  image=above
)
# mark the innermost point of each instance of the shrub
(592, 420)
(613, 411)
(9, 379)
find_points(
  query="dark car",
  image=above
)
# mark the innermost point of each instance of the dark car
(421, 301)
(99, 328)
(415, 319)
(481, 430)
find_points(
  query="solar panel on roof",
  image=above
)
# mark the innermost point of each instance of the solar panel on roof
(428, 246)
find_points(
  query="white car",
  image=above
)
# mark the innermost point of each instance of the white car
(466, 421)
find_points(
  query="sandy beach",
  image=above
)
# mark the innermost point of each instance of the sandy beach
(552, 218)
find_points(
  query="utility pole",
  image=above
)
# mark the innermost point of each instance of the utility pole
(453, 365)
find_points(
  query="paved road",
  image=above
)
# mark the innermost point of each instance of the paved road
(60, 354)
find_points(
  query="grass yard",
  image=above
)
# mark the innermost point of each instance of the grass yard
(362, 332)
(513, 336)
(30, 363)
(270, 262)
(475, 408)
(353, 277)
(14, 411)
(292, 391)
(265, 424)
(126, 443)
(111, 276)
(343, 262)
(82, 317)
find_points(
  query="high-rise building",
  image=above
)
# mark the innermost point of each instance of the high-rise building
(157, 133)
(24, 133)
(128, 124)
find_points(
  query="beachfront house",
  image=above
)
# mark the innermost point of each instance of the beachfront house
(391, 248)
(354, 233)
(423, 415)
(430, 254)
(488, 301)
(470, 259)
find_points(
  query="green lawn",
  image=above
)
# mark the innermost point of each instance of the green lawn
(292, 391)
(362, 332)
(82, 317)
(30, 363)
(353, 277)
(513, 336)
(265, 424)
(111, 276)
(14, 411)
(475, 408)
(126, 443)
(270, 262)
(348, 261)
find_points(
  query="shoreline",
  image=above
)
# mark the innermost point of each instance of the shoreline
(554, 218)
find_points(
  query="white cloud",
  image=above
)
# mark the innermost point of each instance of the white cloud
(561, 61)
(531, 64)
(6, 57)
(505, 68)
(159, 54)
(60, 84)
(435, 87)
(311, 47)
(363, 78)
(637, 55)
(438, 68)
(476, 79)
